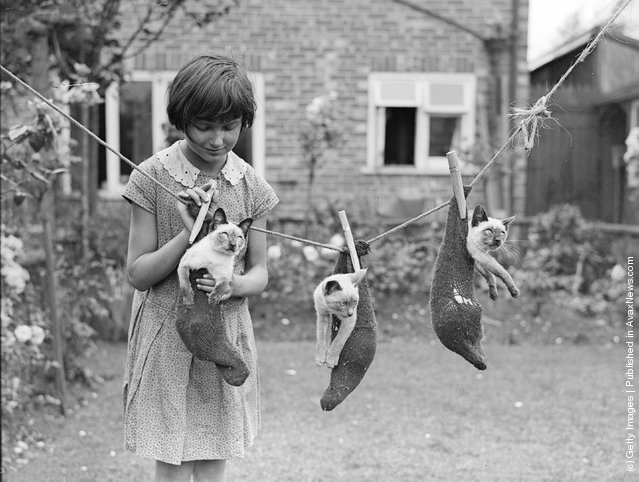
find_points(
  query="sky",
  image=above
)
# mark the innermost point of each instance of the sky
(547, 17)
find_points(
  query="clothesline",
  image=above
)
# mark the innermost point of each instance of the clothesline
(530, 119)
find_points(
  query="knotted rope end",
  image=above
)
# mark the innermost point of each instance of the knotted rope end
(531, 119)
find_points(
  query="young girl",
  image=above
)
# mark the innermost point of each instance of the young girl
(177, 408)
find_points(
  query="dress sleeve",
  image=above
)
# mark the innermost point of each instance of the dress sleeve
(264, 198)
(140, 190)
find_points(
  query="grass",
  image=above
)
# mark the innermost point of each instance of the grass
(539, 413)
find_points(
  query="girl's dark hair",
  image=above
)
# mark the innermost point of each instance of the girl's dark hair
(210, 87)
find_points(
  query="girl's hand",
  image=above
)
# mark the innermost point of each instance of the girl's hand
(196, 195)
(223, 290)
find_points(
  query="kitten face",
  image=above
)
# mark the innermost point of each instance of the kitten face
(341, 294)
(227, 237)
(341, 302)
(488, 233)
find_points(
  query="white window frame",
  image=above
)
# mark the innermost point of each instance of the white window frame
(634, 114)
(413, 90)
(160, 81)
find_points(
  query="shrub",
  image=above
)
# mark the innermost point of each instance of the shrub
(27, 361)
(400, 264)
(92, 300)
(569, 262)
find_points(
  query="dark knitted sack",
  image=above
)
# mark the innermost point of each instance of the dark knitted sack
(456, 314)
(359, 350)
(204, 331)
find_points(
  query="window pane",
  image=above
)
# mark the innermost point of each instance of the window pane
(398, 93)
(136, 136)
(399, 145)
(446, 94)
(442, 135)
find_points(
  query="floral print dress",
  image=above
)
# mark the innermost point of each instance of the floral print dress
(176, 407)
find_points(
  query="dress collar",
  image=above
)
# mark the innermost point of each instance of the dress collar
(180, 169)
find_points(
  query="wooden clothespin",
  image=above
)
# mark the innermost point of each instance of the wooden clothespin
(458, 185)
(199, 221)
(350, 242)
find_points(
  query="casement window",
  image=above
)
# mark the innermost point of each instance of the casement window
(414, 119)
(136, 124)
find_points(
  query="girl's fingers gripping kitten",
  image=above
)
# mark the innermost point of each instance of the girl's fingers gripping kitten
(206, 283)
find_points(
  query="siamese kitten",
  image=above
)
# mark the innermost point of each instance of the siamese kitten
(216, 253)
(486, 234)
(336, 295)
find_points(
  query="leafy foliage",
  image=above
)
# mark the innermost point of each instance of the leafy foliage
(94, 35)
(320, 133)
(93, 299)
(570, 263)
(26, 351)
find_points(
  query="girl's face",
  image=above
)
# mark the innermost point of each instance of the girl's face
(212, 141)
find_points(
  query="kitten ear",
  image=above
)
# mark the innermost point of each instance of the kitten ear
(479, 216)
(358, 276)
(506, 222)
(219, 217)
(331, 286)
(245, 225)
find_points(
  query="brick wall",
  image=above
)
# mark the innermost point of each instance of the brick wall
(306, 48)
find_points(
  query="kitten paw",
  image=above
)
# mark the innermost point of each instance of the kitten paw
(320, 357)
(221, 289)
(332, 360)
(214, 298)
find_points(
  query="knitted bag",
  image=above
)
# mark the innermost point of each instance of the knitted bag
(456, 314)
(359, 350)
(204, 331)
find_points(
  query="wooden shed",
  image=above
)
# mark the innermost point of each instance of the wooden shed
(579, 156)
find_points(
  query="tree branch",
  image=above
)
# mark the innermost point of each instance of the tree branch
(437, 16)
(138, 31)
(168, 17)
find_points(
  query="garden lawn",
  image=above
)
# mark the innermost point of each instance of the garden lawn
(539, 413)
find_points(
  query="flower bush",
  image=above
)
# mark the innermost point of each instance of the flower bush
(26, 361)
(562, 245)
(398, 265)
(91, 300)
(569, 263)
(320, 133)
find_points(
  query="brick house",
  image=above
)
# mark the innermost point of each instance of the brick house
(414, 79)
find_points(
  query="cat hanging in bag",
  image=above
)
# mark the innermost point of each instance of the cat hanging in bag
(456, 314)
(356, 355)
(200, 322)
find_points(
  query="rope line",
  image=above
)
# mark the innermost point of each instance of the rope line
(588, 49)
(301, 240)
(532, 115)
(443, 205)
(136, 167)
(86, 130)
(528, 116)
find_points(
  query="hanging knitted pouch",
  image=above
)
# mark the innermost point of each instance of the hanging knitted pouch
(204, 332)
(456, 314)
(359, 350)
